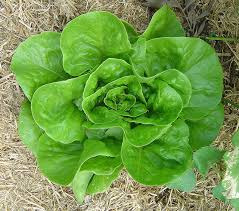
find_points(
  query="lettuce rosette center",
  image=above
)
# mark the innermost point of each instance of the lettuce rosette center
(115, 97)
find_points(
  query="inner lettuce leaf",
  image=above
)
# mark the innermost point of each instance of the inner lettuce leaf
(103, 97)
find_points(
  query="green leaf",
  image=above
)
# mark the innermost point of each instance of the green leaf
(97, 157)
(115, 98)
(95, 105)
(228, 189)
(87, 182)
(109, 71)
(235, 203)
(99, 133)
(196, 59)
(85, 44)
(164, 104)
(218, 192)
(59, 162)
(80, 183)
(28, 130)
(185, 183)
(197, 113)
(55, 158)
(38, 61)
(101, 183)
(55, 112)
(140, 135)
(145, 58)
(179, 82)
(132, 34)
(95, 133)
(161, 161)
(143, 135)
(148, 72)
(231, 178)
(106, 147)
(164, 23)
(101, 165)
(115, 132)
(206, 157)
(204, 131)
(235, 139)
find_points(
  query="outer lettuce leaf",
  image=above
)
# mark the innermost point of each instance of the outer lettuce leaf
(204, 131)
(54, 110)
(164, 23)
(206, 157)
(85, 182)
(132, 34)
(116, 133)
(185, 183)
(28, 130)
(102, 165)
(80, 184)
(161, 161)
(95, 153)
(85, 44)
(59, 162)
(38, 61)
(138, 136)
(94, 148)
(100, 183)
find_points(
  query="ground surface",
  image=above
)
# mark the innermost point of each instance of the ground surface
(21, 185)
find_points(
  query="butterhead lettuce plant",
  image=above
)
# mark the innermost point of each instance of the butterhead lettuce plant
(102, 97)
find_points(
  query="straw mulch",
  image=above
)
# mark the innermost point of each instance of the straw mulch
(21, 185)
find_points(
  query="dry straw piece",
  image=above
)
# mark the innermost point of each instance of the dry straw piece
(22, 187)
